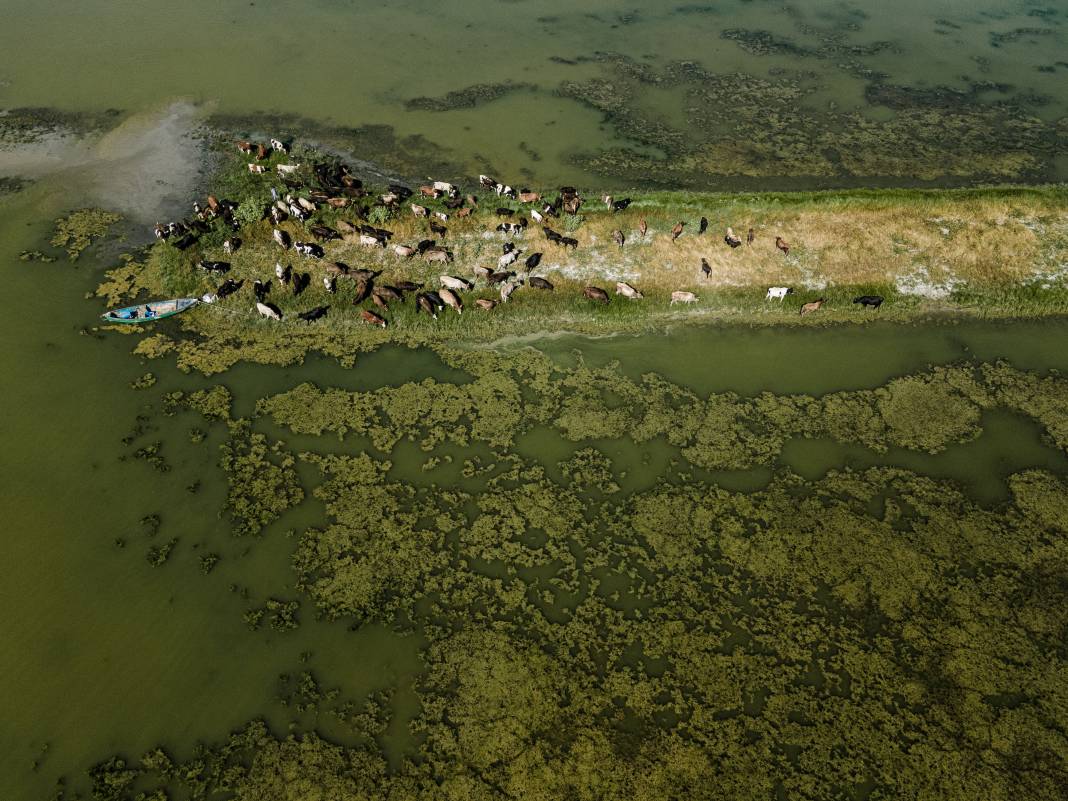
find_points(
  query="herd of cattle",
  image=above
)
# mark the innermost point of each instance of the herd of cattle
(337, 188)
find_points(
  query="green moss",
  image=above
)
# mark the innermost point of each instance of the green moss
(262, 480)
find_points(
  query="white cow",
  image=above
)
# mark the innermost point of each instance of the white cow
(507, 258)
(459, 284)
(778, 293)
(627, 291)
(683, 297)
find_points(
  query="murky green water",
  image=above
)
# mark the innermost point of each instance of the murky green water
(103, 653)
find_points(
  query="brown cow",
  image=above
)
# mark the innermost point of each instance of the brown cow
(782, 245)
(595, 293)
(372, 318)
(812, 306)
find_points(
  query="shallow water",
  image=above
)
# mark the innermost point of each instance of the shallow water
(104, 653)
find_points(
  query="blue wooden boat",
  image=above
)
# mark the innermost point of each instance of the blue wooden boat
(149, 312)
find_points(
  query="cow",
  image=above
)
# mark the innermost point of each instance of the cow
(452, 282)
(214, 266)
(703, 225)
(706, 268)
(314, 314)
(282, 238)
(487, 304)
(309, 249)
(486, 182)
(232, 244)
(369, 241)
(256, 169)
(627, 291)
(540, 283)
(261, 290)
(676, 231)
(529, 197)
(279, 145)
(533, 260)
(643, 227)
(269, 310)
(437, 255)
(507, 259)
(229, 287)
(372, 318)
(869, 301)
(420, 211)
(536, 216)
(446, 188)
(286, 169)
(507, 288)
(424, 303)
(750, 237)
(620, 240)
(595, 293)
(812, 306)
(404, 251)
(451, 299)
(778, 292)
(568, 242)
(731, 239)
(782, 245)
(682, 297)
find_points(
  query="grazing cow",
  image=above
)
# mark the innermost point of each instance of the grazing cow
(429, 191)
(262, 152)
(364, 287)
(369, 241)
(336, 268)
(782, 245)
(620, 240)
(314, 314)
(329, 284)
(486, 182)
(551, 235)
(446, 188)
(437, 255)
(643, 227)
(620, 205)
(245, 147)
(261, 290)
(279, 145)
(536, 216)
(404, 251)
(682, 297)
(569, 242)
(464, 212)
(282, 238)
(278, 215)
(256, 169)
(703, 225)
(286, 169)
(452, 282)
(379, 300)
(283, 275)
(540, 283)
(529, 197)
(812, 306)
(507, 288)
(676, 231)
(388, 292)
(309, 249)
(487, 304)
(425, 245)
(607, 200)
(420, 211)
(408, 286)
(533, 260)
(232, 244)
(229, 287)
(424, 303)
(627, 291)
(499, 278)
(706, 268)
(507, 259)
(503, 212)
(214, 266)
(451, 299)
(441, 216)
(269, 310)
(750, 237)
(300, 283)
(778, 293)
(481, 272)
(595, 293)
(323, 233)
(731, 239)
(439, 230)
(372, 318)
(337, 202)
(869, 301)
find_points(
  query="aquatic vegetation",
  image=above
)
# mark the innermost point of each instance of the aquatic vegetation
(80, 228)
(468, 97)
(262, 479)
(28, 124)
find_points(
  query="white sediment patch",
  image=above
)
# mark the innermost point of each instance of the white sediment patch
(1057, 275)
(921, 283)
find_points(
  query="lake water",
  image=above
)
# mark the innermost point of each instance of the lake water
(103, 653)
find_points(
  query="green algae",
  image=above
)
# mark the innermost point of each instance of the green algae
(79, 229)
(262, 479)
